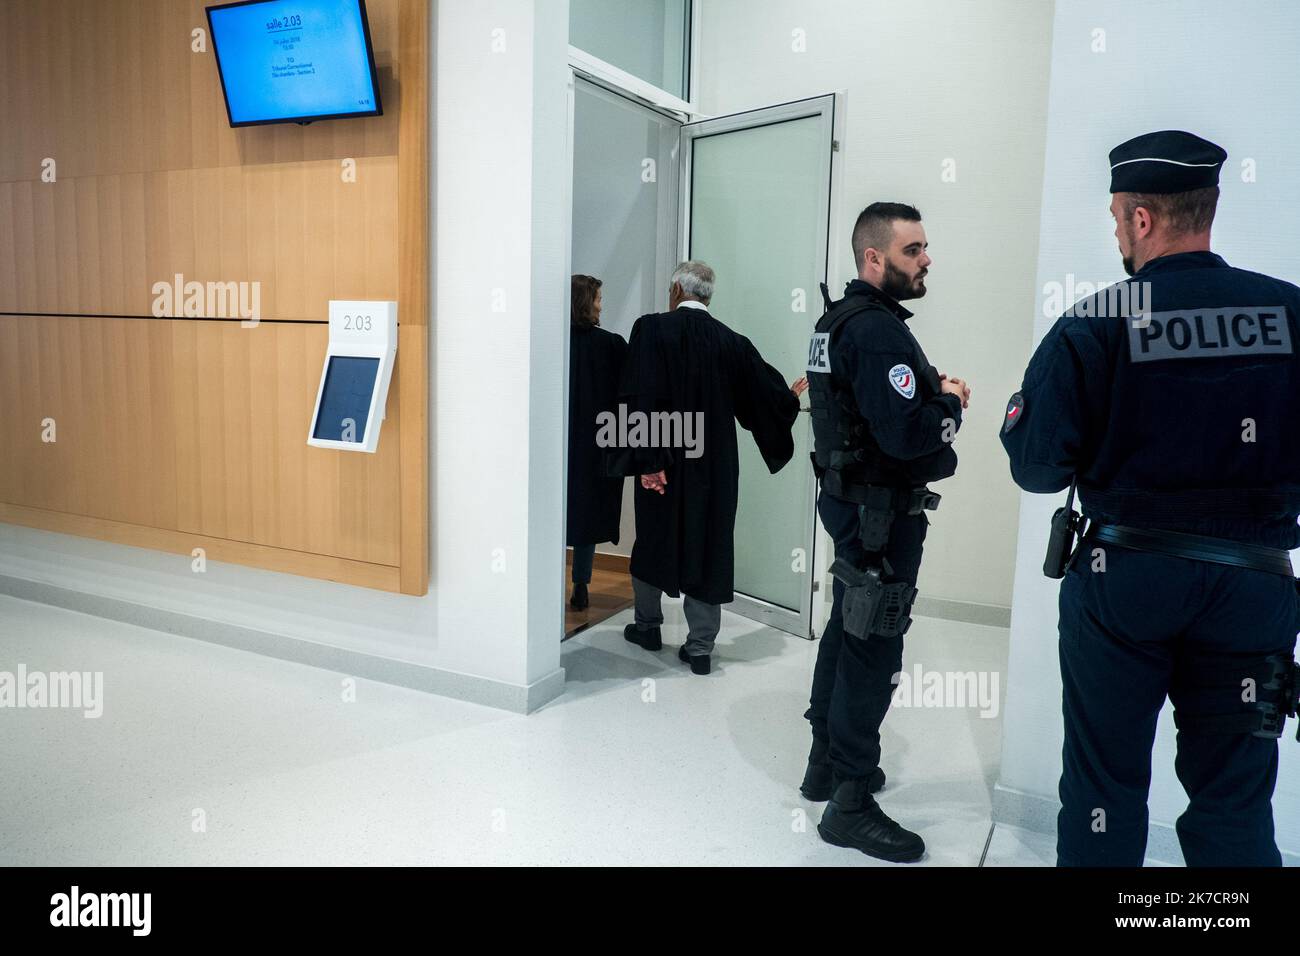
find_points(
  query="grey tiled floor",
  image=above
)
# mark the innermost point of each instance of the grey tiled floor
(639, 762)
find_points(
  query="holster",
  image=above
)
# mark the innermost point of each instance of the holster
(1277, 698)
(871, 607)
(879, 504)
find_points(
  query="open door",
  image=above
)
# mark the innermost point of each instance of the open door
(625, 232)
(756, 201)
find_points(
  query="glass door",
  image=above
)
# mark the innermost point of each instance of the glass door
(756, 202)
(625, 200)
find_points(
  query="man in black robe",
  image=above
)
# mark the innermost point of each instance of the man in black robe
(688, 380)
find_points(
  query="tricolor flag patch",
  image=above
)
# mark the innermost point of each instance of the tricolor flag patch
(904, 382)
(1015, 411)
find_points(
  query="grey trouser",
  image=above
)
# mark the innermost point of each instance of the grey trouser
(702, 620)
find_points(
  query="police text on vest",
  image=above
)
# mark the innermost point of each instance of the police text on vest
(1206, 333)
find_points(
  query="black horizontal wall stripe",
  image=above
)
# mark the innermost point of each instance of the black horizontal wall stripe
(160, 318)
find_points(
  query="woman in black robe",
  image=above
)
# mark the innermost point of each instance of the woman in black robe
(595, 499)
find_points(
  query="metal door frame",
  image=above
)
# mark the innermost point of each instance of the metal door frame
(798, 622)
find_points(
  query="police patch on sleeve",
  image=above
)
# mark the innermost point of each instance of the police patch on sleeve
(904, 382)
(1015, 411)
(819, 352)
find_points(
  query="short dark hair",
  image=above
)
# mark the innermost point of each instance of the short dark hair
(582, 311)
(875, 226)
(1190, 211)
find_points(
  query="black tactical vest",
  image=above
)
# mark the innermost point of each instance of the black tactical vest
(841, 439)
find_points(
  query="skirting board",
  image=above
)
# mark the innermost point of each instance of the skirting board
(992, 615)
(1032, 812)
(518, 698)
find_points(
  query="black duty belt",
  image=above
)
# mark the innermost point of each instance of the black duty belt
(1237, 554)
(910, 501)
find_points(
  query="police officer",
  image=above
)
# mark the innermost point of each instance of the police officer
(883, 422)
(1178, 421)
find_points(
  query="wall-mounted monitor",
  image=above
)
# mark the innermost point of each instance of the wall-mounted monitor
(352, 399)
(294, 61)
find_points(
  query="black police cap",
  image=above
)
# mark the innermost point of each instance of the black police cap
(1169, 161)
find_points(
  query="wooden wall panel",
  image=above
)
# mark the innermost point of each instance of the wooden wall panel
(97, 245)
(190, 426)
(364, 575)
(244, 399)
(172, 430)
(107, 385)
(111, 86)
(110, 90)
(412, 379)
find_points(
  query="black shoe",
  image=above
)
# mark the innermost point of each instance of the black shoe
(819, 780)
(700, 663)
(579, 601)
(853, 819)
(648, 638)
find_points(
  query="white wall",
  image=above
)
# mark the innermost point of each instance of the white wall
(493, 618)
(1216, 70)
(926, 84)
(545, 246)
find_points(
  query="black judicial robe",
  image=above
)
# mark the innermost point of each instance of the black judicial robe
(595, 499)
(687, 361)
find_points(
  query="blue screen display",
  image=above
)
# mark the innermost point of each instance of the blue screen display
(345, 399)
(294, 60)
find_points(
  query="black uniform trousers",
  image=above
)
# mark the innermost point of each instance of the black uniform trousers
(853, 681)
(1148, 626)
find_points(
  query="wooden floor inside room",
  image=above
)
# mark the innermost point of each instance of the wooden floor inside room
(610, 591)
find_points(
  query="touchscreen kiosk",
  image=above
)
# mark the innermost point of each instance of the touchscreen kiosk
(352, 399)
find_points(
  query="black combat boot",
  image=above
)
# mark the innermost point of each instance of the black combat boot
(579, 601)
(650, 638)
(854, 819)
(819, 780)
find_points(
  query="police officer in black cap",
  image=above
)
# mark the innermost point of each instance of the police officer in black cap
(1170, 402)
(883, 423)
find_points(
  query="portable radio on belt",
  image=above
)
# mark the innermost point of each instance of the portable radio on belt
(1061, 542)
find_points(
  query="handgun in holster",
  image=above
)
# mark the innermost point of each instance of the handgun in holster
(1279, 697)
(870, 606)
(1061, 542)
